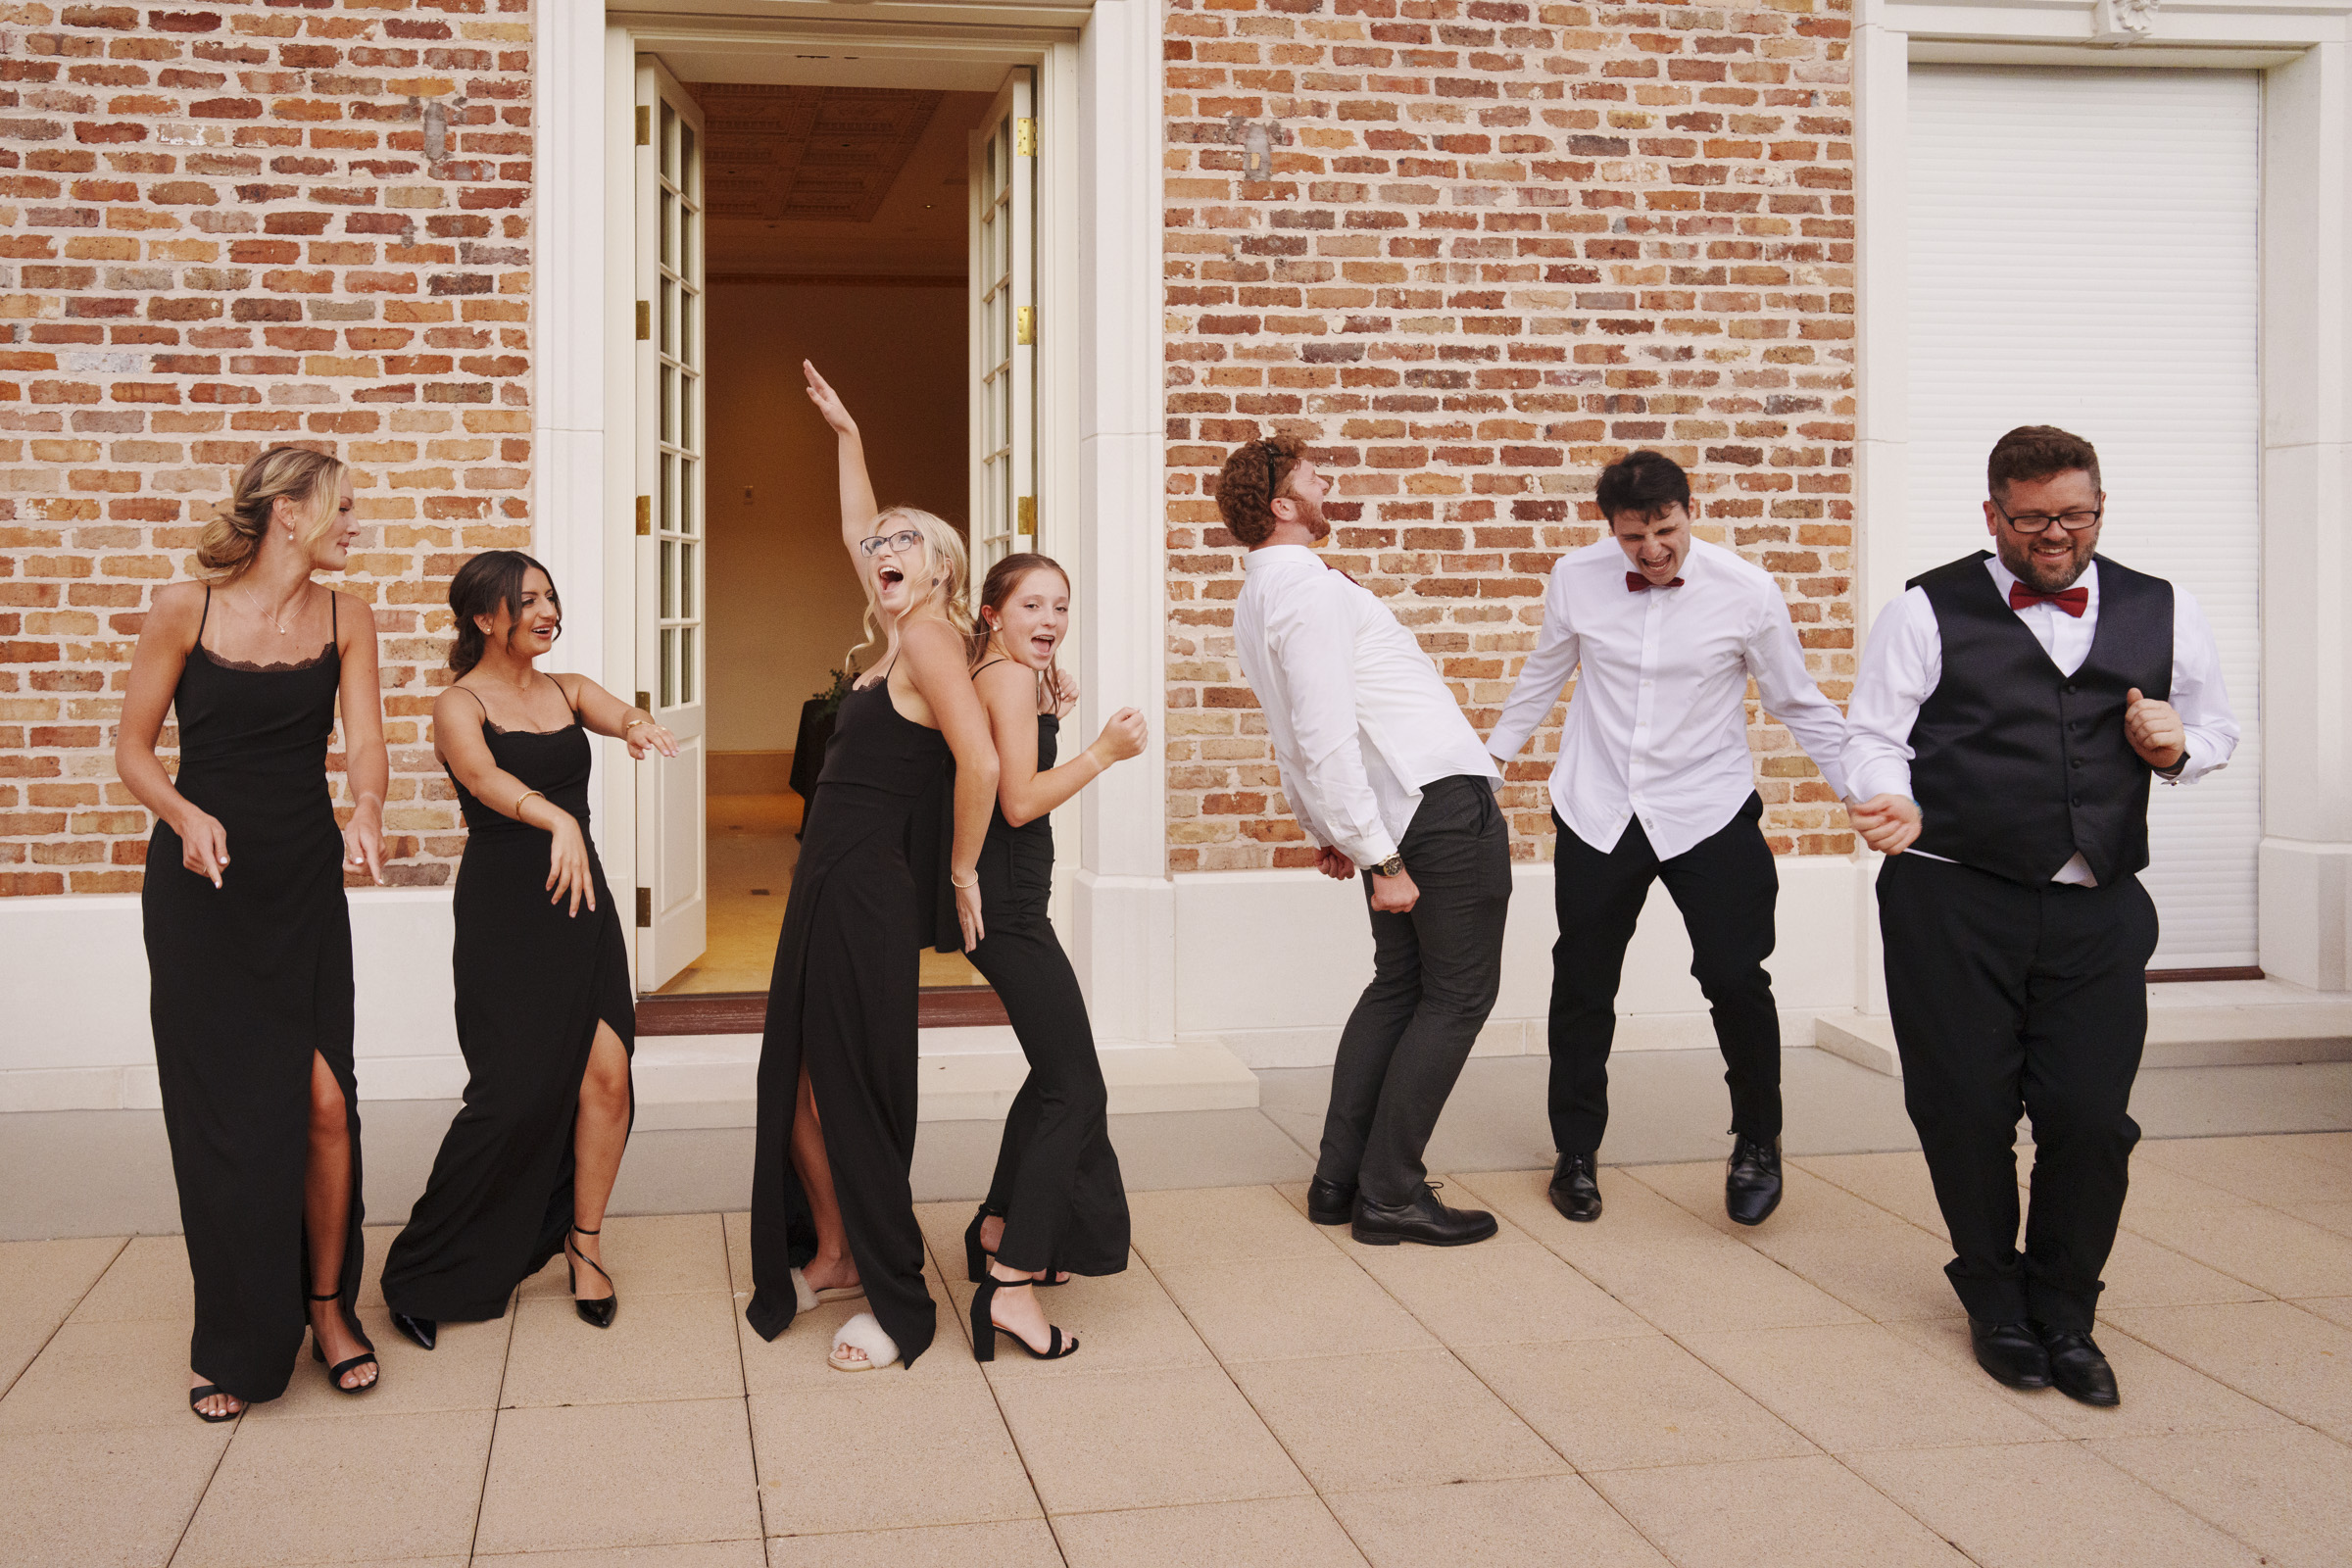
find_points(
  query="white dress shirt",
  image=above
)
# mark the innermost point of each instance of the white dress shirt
(1359, 718)
(1658, 725)
(1903, 663)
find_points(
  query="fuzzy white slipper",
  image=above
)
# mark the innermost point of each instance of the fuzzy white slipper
(864, 1330)
(805, 1297)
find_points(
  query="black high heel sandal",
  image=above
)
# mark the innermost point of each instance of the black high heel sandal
(334, 1374)
(985, 1327)
(976, 1257)
(205, 1391)
(598, 1313)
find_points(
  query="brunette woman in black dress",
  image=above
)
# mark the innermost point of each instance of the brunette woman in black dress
(248, 935)
(840, 1045)
(1057, 1206)
(546, 1015)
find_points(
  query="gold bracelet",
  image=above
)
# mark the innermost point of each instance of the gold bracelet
(633, 724)
(973, 883)
(516, 810)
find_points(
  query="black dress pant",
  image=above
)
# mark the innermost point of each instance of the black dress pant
(1436, 972)
(2011, 998)
(1726, 887)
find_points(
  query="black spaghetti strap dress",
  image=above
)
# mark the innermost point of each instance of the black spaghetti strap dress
(842, 1000)
(1057, 1181)
(532, 983)
(249, 982)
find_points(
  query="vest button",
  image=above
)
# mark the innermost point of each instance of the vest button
(2077, 762)
(2074, 801)
(2070, 688)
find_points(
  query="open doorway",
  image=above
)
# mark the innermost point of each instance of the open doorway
(838, 226)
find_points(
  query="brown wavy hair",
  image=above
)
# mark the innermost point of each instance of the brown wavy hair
(2038, 452)
(1002, 580)
(1252, 476)
(231, 540)
(490, 581)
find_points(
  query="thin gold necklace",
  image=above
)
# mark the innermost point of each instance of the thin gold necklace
(266, 616)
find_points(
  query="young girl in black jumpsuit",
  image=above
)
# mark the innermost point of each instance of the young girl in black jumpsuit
(1055, 1207)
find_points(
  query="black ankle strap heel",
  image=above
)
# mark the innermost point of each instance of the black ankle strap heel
(334, 1374)
(598, 1313)
(985, 1327)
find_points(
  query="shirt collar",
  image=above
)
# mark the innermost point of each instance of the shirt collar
(2002, 578)
(1269, 556)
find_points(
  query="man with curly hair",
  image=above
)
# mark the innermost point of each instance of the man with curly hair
(1386, 776)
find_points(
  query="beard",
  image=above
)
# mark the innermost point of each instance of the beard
(2047, 574)
(1310, 513)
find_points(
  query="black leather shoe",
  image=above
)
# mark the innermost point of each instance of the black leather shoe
(1330, 1203)
(1751, 1181)
(421, 1332)
(2012, 1353)
(1576, 1188)
(2077, 1367)
(1424, 1220)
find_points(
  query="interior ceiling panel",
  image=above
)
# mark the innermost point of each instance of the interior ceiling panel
(806, 154)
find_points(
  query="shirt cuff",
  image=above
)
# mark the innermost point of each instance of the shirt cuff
(1880, 778)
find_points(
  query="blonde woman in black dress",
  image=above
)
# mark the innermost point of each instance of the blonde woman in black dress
(546, 1013)
(1057, 1206)
(248, 934)
(840, 1043)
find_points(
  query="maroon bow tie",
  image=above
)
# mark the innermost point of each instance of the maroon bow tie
(2074, 600)
(1635, 582)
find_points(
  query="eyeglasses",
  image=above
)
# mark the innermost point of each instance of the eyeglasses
(899, 543)
(2033, 522)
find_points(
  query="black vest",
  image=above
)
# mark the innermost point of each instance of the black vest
(2018, 768)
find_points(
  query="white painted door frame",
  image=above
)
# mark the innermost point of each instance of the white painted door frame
(1100, 457)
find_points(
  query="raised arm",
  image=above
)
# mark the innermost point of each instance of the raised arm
(936, 664)
(365, 763)
(458, 741)
(1009, 690)
(858, 506)
(166, 640)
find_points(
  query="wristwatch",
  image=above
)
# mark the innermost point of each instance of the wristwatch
(1393, 865)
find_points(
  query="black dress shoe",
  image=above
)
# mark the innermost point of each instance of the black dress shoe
(2012, 1353)
(1330, 1203)
(1576, 1188)
(2077, 1367)
(1751, 1181)
(420, 1331)
(1424, 1219)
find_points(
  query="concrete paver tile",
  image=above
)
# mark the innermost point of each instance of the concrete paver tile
(1401, 1418)
(2267, 1249)
(148, 1282)
(1496, 1294)
(1883, 1272)
(735, 1227)
(461, 1373)
(1219, 1225)
(1272, 1307)
(40, 1282)
(880, 1450)
(2291, 1360)
(1264, 1532)
(115, 1499)
(1858, 1385)
(1008, 1543)
(1125, 1322)
(316, 1492)
(2335, 1149)
(1773, 1514)
(649, 1254)
(2160, 1394)
(1611, 1403)
(2335, 1216)
(696, 1555)
(2276, 1170)
(2334, 1308)
(659, 1347)
(602, 1476)
(1524, 1520)
(1808, 1203)
(92, 1376)
(1095, 1442)
(2142, 1272)
(1896, 1182)
(2043, 1504)
(2286, 1491)
(794, 1359)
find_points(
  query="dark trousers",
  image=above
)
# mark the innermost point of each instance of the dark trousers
(2010, 999)
(1726, 887)
(1436, 972)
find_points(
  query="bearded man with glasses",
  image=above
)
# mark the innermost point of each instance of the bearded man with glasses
(2012, 708)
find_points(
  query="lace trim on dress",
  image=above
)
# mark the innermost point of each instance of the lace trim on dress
(312, 663)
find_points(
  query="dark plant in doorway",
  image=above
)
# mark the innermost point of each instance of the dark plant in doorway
(830, 697)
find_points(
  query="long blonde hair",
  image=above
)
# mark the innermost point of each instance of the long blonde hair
(951, 571)
(234, 538)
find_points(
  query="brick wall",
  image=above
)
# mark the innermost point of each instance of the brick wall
(1499, 245)
(224, 226)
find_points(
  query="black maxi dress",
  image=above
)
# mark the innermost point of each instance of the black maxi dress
(1058, 1178)
(249, 982)
(842, 1000)
(532, 983)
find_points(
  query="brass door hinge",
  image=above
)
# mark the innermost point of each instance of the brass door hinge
(1024, 324)
(644, 701)
(1025, 510)
(1025, 137)
(645, 908)
(644, 319)
(645, 515)
(645, 126)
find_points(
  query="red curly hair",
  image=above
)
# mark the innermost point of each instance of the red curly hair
(1252, 476)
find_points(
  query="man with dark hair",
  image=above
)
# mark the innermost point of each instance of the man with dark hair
(1654, 783)
(1385, 774)
(2011, 710)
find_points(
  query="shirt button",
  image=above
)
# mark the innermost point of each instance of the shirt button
(2076, 800)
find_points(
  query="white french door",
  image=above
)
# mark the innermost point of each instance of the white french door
(1002, 163)
(673, 901)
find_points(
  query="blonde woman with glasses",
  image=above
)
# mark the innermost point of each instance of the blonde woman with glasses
(839, 1052)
